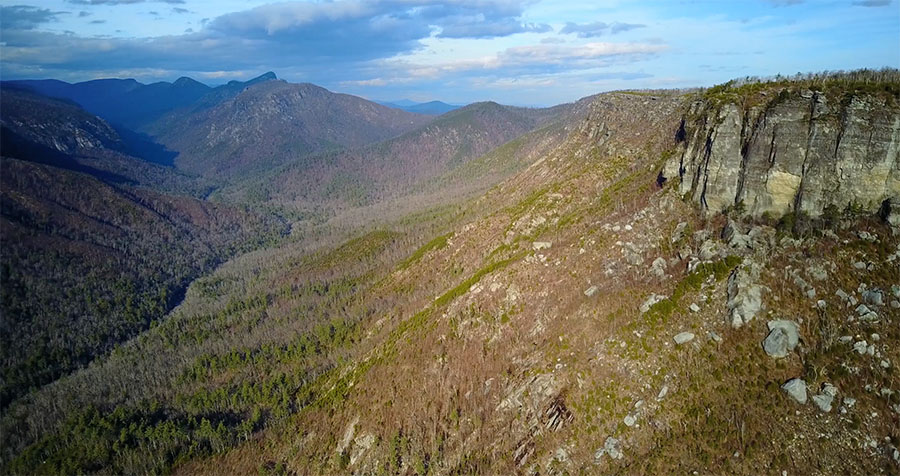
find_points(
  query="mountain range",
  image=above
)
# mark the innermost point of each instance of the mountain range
(272, 278)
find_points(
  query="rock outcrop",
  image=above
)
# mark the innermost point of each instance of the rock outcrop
(791, 151)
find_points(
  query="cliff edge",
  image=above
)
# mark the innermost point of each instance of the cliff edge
(768, 150)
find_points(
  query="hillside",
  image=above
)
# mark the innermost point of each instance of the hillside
(589, 326)
(637, 293)
(374, 173)
(97, 244)
(45, 130)
(273, 122)
(123, 102)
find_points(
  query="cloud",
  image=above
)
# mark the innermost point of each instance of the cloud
(23, 17)
(356, 42)
(83, 14)
(540, 59)
(119, 2)
(97, 22)
(872, 3)
(491, 30)
(784, 3)
(591, 30)
(180, 10)
(411, 18)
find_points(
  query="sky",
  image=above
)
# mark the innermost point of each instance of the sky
(523, 52)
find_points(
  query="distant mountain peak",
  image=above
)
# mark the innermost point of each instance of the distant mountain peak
(186, 81)
(433, 108)
(267, 76)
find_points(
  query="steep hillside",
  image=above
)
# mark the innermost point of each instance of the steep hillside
(40, 129)
(93, 250)
(271, 123)
(374, 173)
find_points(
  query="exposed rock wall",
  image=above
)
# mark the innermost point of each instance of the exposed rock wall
(795, 151)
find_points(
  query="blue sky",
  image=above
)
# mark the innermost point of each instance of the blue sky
(527, 52)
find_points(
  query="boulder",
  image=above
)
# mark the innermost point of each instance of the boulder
(662, 392)
(731, 228)
(633, 258)
(796, 389)
(874, 297)
(708, 250)
(890, 211)
(817, 272)
(683, 338)
(744, 296)
(611, 447)
(591, 291)
(658, 268)
(782, 339)
(825, 399)
(840, 293)
(679, 232)
(823, 402)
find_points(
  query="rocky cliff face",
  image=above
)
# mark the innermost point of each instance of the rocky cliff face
(791, 151)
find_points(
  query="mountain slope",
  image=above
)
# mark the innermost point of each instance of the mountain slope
(121, 101)
(94, 251)
(578, 318)
(272, 122)
(60, 133)
(588, 327)
(370, 174)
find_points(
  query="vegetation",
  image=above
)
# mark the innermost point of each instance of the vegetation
(407, 336)
(80, 279)
(884, 82)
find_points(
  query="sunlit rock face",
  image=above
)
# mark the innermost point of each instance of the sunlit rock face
(795, 151)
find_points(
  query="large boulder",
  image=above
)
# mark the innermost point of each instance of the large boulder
(796, 389)
(782, 339)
